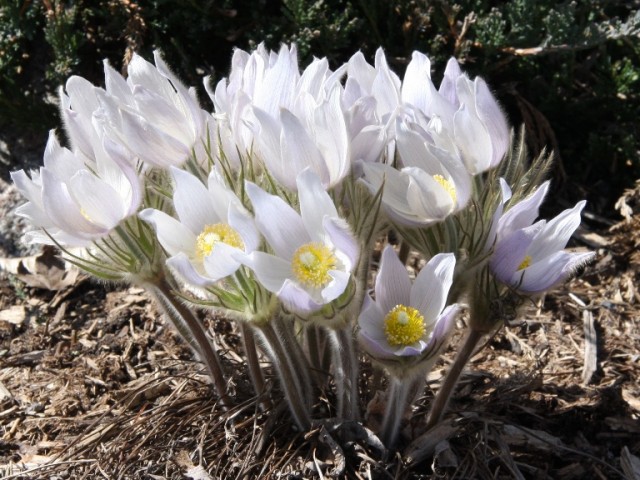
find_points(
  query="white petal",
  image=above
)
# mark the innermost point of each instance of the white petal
(315, 203)
(297, 299)
(223, 261)
(192, 202)
(278, 222)
(556, 233)
(172, 235)
(523, 213)
(339, 235)
(97, 200)
(431, 287)
(270, 270)
(181, 263)
(393, 285)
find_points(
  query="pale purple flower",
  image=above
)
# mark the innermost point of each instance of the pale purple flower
(314, 252)
(212, 234)
(405, 319)
(530, 257)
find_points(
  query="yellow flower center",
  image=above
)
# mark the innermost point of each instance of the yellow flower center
(447, 185)
(311, 264)
(403, 326)
(525, 263)
(214, 234)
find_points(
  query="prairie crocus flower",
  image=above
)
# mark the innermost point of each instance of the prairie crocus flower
(290, 120)
(531, 257)
(432, 184)
(408, 321)
(151, 112)
(466, 113)
(77, 199)
(213, 231)
(316, 139)
(315, 252)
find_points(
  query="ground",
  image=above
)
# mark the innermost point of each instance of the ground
(95, 384)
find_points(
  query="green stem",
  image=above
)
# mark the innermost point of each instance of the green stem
(192, 331)
(441, 400)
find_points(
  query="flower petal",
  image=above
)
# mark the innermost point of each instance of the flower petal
(172, 235)
(278, 222)
(270, 270)
(393, 285)
(183, 266)
(431, 286)
(192, 202)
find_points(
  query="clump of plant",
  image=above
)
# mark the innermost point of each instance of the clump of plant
(267, 209)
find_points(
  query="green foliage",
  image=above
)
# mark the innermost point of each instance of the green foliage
(568, 70)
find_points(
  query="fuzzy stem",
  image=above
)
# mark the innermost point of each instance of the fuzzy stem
(313, 337)
(253, 362)
(192, 331)
(288, 379)
(296, 356)
(441, 400)
(396, 406)
(346, 372)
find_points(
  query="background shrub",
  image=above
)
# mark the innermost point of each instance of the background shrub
(568, 70)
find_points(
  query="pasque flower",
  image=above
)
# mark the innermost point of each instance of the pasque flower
(290, 120)
(405, 319)
(152, 113)
(314, 252)
(213, 232)
(530, 257)
(78, 199)
(432, 183)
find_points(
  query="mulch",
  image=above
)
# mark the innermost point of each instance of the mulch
(95, 384)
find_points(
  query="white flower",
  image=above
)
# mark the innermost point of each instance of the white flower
(531, 258)
(151, 112)
(289, 120)
(314, 251)
(77, 199)
(212, 234)
(432, 184)
(405, 319)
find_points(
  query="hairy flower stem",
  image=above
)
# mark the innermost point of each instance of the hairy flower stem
(192, 331)
(396, 406)
(314, 341)
(253, 363)
(441, 400)
(290, 382)
(297, 357)
(345, 365)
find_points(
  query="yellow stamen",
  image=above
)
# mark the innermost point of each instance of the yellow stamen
(525, 263)
(403, 326)
(311, 264)
(214, 234)
(447, 185)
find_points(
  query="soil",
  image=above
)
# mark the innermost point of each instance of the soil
(95, 384)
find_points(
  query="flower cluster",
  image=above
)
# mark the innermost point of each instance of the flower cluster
(269, 210)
